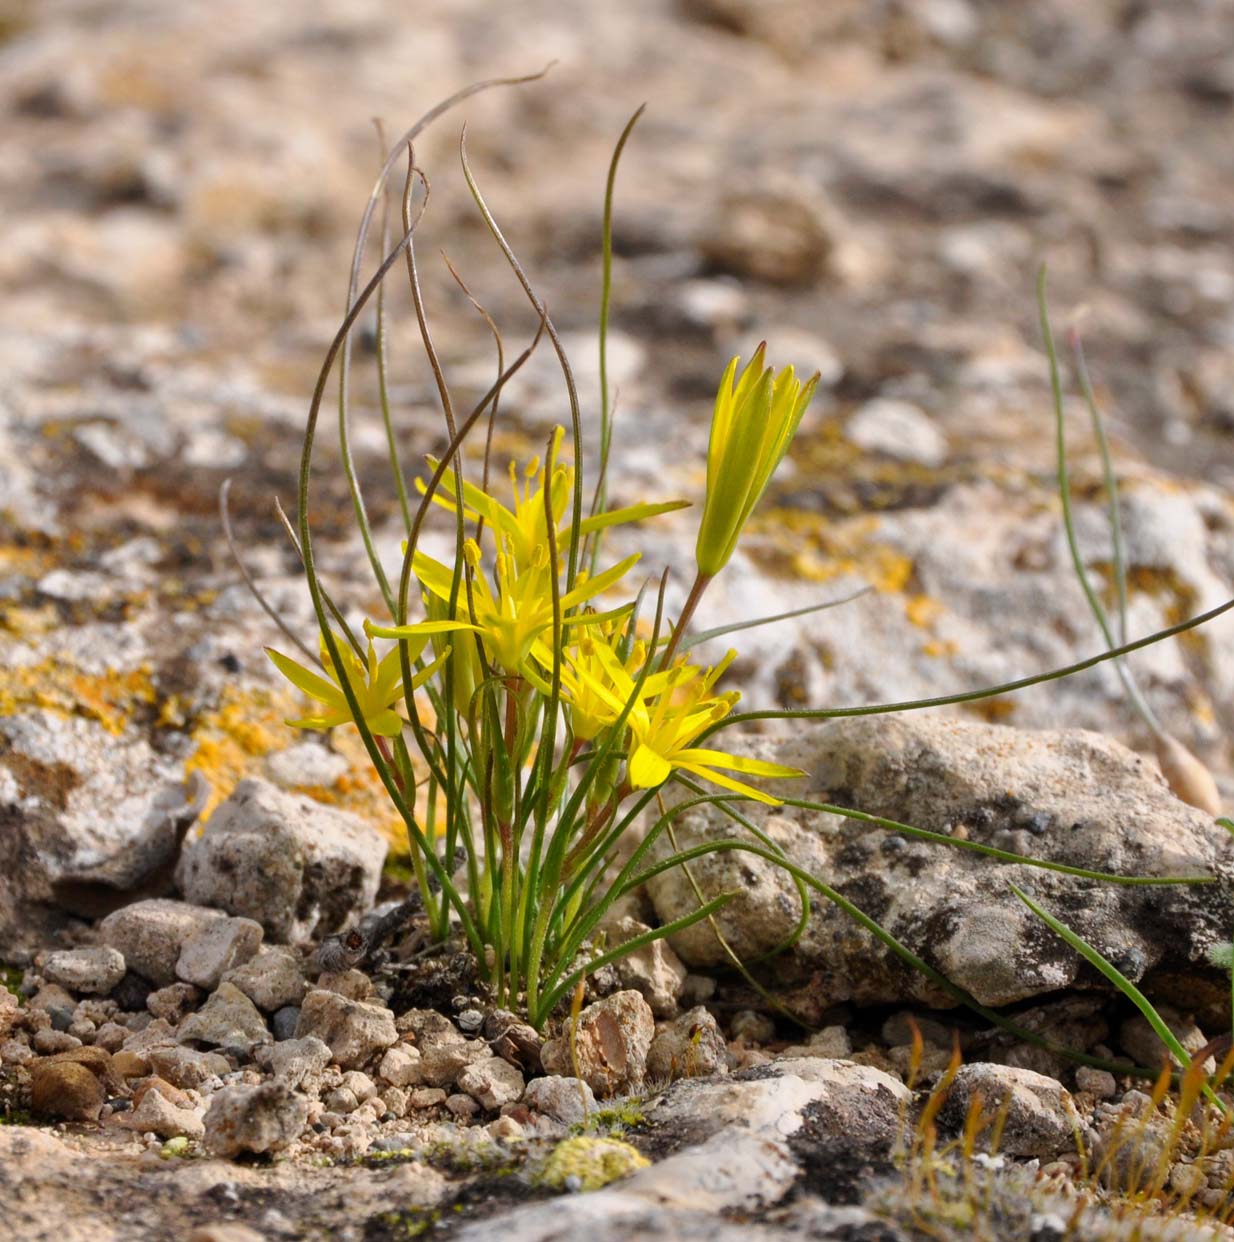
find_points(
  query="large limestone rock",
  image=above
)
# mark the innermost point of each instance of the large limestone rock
(299, 868)
(89, 815)
(1070, 797)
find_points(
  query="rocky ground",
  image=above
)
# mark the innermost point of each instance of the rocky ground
(868, 186)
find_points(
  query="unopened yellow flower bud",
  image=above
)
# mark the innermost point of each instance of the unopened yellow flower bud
(756, 416)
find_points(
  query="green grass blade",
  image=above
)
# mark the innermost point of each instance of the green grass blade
(1025, 860)
(1120, 981)
(973, 696)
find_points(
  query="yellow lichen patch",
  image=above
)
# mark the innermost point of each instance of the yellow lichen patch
(30, 622)
(922, 610)
(812, 547)
(112, 698)
(586, 1163)
(996, 711)
(938, 647)
(28, 562)
(232, 742)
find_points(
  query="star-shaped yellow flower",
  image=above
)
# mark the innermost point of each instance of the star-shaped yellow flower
(665, 722)
(377, 685)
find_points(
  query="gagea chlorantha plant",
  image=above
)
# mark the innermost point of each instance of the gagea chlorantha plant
(529, 703)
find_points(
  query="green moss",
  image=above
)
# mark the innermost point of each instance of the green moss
(413, 1223)
(612, 1121)
(400, 1155)
(10, 978)
(587, 1163)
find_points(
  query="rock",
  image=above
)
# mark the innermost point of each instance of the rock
(171, 1093)
(272, 980)
(341, 1100)
(428, 1028)
(185, 1067)
(173, 1002)
(96, 810)
(691, 1046)
(158, 1114)
(513, 1040)
(65, 1089)
(492, 1083)
(299, 868)
(16, 1052)
(1041, 1119)
(462, 1106)
(1097, 1082)
(654, 970)
(298, 1062)
(10, 1011)
(56, 1003)
(612, 1040)
(400, 1067)
(897, 429)
(441, 1064)
(815, 1098)
(1143, 1045)
(306, 765)
(353, 984)
(96, 1060)
(778, 235)
(360, 1085)
(568, 1100)
(353, 1030)
(216, 948)
(832, 1043)
(151, 934)
(149, 1033)
(227, 1020)
(285, 1021)
(1069, 797)
(94, 971)
(230, 1231)
(50, 1041)
(257, 1119)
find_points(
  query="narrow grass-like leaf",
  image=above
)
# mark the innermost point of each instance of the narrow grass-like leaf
(1119, 980)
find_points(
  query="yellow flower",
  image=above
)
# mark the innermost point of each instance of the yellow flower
(592, 699)
(756, 416)
(377, 685)
(523, 529)
(665, 721)
(513, 617)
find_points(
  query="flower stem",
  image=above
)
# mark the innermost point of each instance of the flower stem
(696, 593)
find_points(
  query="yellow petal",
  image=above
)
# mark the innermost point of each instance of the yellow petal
(385, 724)
(313, 684)
(600, 583)
(647, 769)
(631, 513)
(737, 763)
(727, 782)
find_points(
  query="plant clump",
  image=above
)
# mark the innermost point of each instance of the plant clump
(530, 705)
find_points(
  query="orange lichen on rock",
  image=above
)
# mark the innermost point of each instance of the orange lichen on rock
(815, 548)
(112, 698)
(232, 742)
